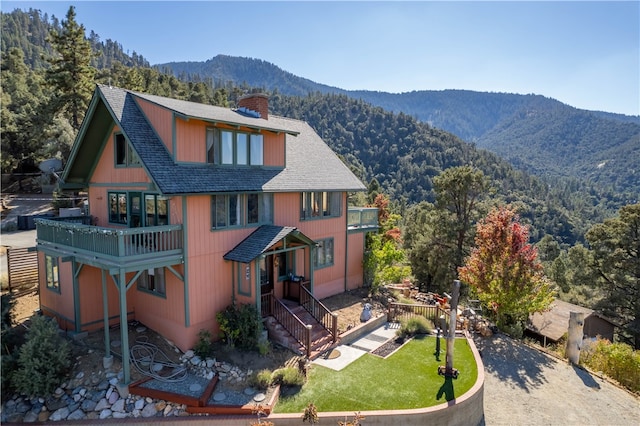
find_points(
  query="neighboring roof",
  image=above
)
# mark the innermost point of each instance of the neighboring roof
(554, 323)
(310, 164)
(260, 240)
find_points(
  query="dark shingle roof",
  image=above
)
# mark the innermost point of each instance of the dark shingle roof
(256, 243)
(311, 164)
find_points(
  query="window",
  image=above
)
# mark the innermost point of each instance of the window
(156, 208)
(52, 273)
(324, 253)
(225, 211)
(316, 205)
(234, 148)
(125, 209)
(125, 155)
(152, 280)
(237, 210)
(118, 207)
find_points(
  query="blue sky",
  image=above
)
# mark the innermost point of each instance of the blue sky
(585, 54)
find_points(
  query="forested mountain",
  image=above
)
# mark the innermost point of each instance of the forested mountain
(560, 141)
(400, 152)
(404, 155)
(28, 32)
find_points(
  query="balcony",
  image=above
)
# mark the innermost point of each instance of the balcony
(128, 248)
(362, 218)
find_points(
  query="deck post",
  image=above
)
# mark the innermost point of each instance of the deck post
(105, 308)
(124, 329)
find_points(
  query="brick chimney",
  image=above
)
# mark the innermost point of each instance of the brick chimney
(258, 102)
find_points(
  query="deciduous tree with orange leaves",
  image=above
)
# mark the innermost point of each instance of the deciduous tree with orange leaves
(504, 271)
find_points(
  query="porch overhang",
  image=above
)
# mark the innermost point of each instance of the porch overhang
(263, 238)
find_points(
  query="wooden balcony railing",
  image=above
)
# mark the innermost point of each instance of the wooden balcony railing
(290, 322)
(322, 314)
(362, 218)
(109, 243)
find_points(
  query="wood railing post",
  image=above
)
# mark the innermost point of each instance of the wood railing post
(334, 326)
(308, 339)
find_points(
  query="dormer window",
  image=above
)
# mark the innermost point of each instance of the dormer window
(228, 147)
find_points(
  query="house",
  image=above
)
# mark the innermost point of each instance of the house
(193, 207)
(551, 325)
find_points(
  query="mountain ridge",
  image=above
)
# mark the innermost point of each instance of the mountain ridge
(531, 131)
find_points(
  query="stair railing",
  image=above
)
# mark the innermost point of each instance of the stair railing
(290, 322)
(322, 314)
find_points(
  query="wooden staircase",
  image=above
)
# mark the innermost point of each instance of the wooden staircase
(321, 339)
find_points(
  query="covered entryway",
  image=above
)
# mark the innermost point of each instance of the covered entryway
(282, 258)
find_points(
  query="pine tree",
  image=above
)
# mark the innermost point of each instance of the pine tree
(71, 74)
(21, 101)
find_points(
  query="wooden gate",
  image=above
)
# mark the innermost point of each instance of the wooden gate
(22, 264)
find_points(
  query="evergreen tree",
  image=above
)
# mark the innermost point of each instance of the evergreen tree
(615, 246)
(21, 102)
(71, 74)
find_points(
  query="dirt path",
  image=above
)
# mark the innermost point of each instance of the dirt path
(527, 387)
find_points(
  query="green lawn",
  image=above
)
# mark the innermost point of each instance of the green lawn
(407, 379)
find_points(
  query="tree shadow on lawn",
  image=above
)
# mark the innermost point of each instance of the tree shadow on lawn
(447, 390)
(512, 361)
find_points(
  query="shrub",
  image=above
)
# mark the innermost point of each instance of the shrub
(43, 360)
(414, 325)
(8, 303)
(287, 376)
(264, 347)
(310, 414)
(261, 379)
(617, 360)
(204, 346)
(515, 329)
(240, 326)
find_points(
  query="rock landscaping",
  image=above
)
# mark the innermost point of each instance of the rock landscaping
(98, 396)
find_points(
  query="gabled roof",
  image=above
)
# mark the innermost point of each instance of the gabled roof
(311, 164)
(261, 239)
(554, 323)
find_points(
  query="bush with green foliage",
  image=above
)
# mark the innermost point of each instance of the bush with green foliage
(287, 376)
(414, 325)
(204, 345)
(43, 360)
(261, 379)
(617, 360)
(8, 303)
(240, 325)
(10, 341)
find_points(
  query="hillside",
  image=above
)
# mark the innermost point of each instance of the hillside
(560, 141)
(400, 152)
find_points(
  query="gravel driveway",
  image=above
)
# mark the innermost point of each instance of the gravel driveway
(524, 386)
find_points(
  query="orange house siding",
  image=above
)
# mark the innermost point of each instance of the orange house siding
(355, 269)
(328, 280)
(210, 282)
(162, 121)
(59, 305)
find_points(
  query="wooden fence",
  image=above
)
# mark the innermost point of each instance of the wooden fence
(22, 267)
